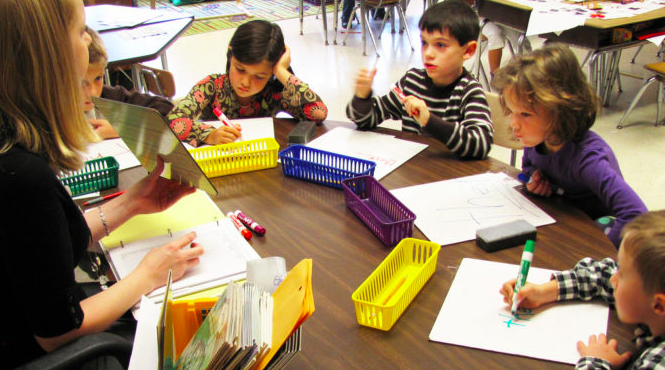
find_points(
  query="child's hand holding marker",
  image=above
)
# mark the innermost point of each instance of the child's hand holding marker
(416, 107)
(225, 134)
(538, 185)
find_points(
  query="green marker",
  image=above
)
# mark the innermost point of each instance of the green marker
(527, 256)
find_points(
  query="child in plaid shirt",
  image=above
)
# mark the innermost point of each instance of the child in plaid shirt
(636, 290)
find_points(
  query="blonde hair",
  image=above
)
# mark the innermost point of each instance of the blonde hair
(644, 241)
(40, 94)
(96, 50)
(551, 78)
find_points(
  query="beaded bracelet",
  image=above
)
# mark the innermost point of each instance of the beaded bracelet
(101, 215)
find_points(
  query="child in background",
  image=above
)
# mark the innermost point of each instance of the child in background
(94, 86)
(442, 99)
(552, 108)
(258, 82)
(634, 284)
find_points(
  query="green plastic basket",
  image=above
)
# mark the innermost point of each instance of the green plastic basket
(97, 174)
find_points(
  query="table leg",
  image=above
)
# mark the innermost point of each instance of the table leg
(300, 14)
(325, 20)
(335, 21)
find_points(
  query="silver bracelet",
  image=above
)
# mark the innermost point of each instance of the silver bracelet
(101, 215)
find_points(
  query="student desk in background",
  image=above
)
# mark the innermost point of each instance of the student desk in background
(141, 43)
(595, 35)
(307, 220)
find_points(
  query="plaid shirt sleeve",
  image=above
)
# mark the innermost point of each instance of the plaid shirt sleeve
(587, 280)
(589, 363)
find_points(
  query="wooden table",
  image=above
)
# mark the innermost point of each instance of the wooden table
(306, 220)
(595, 35)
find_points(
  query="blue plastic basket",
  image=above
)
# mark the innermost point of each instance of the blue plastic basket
(322, 167)
(384, 214)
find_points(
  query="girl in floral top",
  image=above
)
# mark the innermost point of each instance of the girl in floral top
(258, 83)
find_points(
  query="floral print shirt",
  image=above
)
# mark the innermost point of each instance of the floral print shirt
(215, 91)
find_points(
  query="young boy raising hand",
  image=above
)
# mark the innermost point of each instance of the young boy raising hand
(634, 285)
(442, 99)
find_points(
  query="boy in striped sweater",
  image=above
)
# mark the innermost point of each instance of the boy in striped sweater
(442, 99)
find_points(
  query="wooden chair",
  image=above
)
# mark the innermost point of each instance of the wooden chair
(390, 6)
(503, 134)
(157, 81)
(659, 76)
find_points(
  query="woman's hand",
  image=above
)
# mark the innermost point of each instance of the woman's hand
(155, 193)
(600, 348)
(364, 80)
(223, 135)
(103, 128)
(530, 295)
(174, 256)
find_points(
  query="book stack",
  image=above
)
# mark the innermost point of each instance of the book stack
(235, 334)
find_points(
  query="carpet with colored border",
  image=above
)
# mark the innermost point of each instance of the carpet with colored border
(219, 15)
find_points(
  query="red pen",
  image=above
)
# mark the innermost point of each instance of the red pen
(221, 116)
(399, 93)
(102, 198)
(260, 230)
(243, 230)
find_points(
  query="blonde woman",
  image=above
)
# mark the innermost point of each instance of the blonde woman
(43, 59)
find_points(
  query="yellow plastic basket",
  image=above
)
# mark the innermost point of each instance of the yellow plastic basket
(244, 156)
(382, 298)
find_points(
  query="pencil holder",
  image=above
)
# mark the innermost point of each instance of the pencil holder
(386, 216)
(382, 298)
(97, 174)
(322, 167)
(244, 156)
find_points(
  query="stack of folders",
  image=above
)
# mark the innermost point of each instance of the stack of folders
(235, 334)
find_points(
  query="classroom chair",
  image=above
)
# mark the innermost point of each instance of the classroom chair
(503, 134)
(322, 10)
(157, 81)
(79, 351)
(659, 76)
(390, 6)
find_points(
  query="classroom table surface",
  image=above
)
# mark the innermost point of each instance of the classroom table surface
(594, 34)
(307, 220)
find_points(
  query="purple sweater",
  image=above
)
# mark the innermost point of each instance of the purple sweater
(589, 173)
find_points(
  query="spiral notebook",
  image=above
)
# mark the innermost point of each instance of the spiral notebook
(225, 255)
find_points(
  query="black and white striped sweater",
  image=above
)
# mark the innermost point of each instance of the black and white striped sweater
(460, 116)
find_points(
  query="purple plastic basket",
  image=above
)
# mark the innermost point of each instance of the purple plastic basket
(386, 216)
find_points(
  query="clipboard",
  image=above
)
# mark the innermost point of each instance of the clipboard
(148, 135)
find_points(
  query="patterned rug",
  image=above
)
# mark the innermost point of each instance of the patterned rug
(219, 15)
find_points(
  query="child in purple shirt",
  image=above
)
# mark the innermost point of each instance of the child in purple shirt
(552, 108)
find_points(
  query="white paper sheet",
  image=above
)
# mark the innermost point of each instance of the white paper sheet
(474, 315)
(144, 351)
(386, 151)
(252, 128)
(451, 211)
(112, 148)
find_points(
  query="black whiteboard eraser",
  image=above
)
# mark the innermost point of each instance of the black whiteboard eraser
(302, 132)
(505, 235)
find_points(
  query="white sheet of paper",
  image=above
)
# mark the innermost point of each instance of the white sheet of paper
(252, 128)
(386, 151)
(144, 350)
(451, 211)
(225, 256)
(474, 315)
(112, 148)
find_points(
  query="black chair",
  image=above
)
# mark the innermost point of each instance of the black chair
(80, 351)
